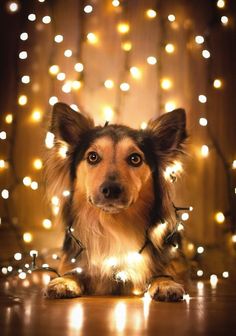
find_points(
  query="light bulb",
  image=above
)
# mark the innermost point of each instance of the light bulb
(24, 36)
(109, 84)
(79, 67)
(126, 45)
(61, 76)
(88, 9)
(199, 39)
(135, 72)
(68, 53)
(23, 54)
(36, 115)
(54, 69)
(38, 164)
(217, 83)
(46, 19)
(151, 60)
(31, 17)
(123, 28)
(58, 38)
(170, 106)
(225, 20)
(18, 256)
(108, 113)
(220, 217)
(8, 118)
(206, 53)
(53, 100)
(220, 3)
(205, 150)
(27, 237)
(151, 13)
(124, 86)
(169, 48)
(202, 99)
(203, 121)
(171, 17)
(92, 38)
(200, 250)
(25, 79)
(27, 181)
(47, 223)
(22, 100)
(166, 83)
(5, 194)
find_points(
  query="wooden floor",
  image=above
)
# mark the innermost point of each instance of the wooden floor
(24, 311)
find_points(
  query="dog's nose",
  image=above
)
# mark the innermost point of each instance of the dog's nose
(111, 190)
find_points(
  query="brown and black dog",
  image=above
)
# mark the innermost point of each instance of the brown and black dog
(119, 212)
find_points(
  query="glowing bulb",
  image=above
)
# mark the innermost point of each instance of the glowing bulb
(68, 53)
(225, 20)
(10, 268)
(34, 185)
(36, 115)
(92, 38)
(58, 38)
(205, 150)
(202, 99)
(79, 67)
(206, 53)
(47, 224)
(55, 200)
(233, 238)
(24, 36)
(225, 274)
(8, 118)
(122, 276)
(74, 107)
(46, 19)
(108, 113)
(66, 193)
(151, 13)
(18, 256)
(13, 6)
(199, 39)
(67, 87)
(200, 249)
(38, 164)
(190, 247)
(79, 270)
(63, 150)
(76, 85)
(27, 181)
(54, 69)
(4, 270)
(31, 17)
(27, 237)
(234, 164)
(169, 48)
(123, 28)
(220, 217)
(23, 54)
(73, 260)
(109, 84)
(166, 83)
(213, 280)
(171, 17)
(3, 135)
(170, 106)
(126, 46)
(199, 273)
(143, 125)
(220, 3)
(115, 3)
(49, 140)
(33, 253)
(22, 275)
(5, 194)
(25, 79)
(135, 72)
(217, 83)
(88, 9)
(2, 164)
(185, 216)
(151, 60)
(45, 265)
(203, 121)
(61, 76)
(124, 86)
(22, 100)
(53, 100)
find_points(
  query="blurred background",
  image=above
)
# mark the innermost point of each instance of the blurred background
(124, 61)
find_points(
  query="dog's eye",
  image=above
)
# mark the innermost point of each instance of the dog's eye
(93, 158)
(135, 160)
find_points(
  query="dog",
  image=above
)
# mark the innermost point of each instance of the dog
(119, 213)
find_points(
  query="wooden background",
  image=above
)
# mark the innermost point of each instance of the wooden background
(203, 184)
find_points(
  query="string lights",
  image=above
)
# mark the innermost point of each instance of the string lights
(71, 83)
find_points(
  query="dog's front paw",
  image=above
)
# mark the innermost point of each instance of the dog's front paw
(63, 287)
(166, 290)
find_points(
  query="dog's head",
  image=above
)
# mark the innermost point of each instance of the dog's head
(112, 166)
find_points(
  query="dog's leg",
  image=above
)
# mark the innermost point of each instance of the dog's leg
(67, 286)
(165, 289)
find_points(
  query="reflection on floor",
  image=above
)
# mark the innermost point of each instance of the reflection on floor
(209, 310)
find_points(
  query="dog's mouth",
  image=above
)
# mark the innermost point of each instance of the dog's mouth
(110, 207)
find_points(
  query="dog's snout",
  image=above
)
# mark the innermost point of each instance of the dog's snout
(111, 190)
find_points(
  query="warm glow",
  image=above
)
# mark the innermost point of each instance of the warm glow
(53, 100)
(166, 83)
(111, 262)
(126, 46)
(199, 39)
(200, 249)
(135, 72)
(63, 150)
(170, 106)
(55, 200)
(213, 280)
(169, 48)
(206, 53)
(217, 83)
(151, 60)
(143, 125)
(54, 69)
(185, 216)
(220, 3)
(115, 3)
(49, 140)
(204, 150)
(120, 316)
(79, 67)
(122, 276)
(225, 274)
(9, 118)
(123, 28)
(25, 79)
(61, 76)
(27, 181)
(5, 194)
(27, 237)
(203, 121)
(23, 55)
(225, 20)
(3, 135)
(22, 100)
(88, 9)
(22, 275)
(2, 164)
(66, 87)
(200, 273)
(124, 86)
(190, 247)
(92, 38)
(108, 113)
(46, 19)
(32, 17)
(76, 317)
(24, 36)
(220, 217)
(76, 85)
(18, 256)
(34, 185)
(47, 224)
(58, 38)
(68, 53)
(234, 238)
(38, 164)
(151, 13)
(109, 84)
(36, 115)
(202, 99)
(234, 164)
(12, 6)
(171, 17)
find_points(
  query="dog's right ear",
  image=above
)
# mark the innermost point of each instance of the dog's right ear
(68, 125)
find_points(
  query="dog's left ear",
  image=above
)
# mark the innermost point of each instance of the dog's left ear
(169, 132)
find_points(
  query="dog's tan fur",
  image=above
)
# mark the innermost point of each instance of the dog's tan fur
(116, 231)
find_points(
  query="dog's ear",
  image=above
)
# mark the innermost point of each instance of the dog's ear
(169, 132)
(68, 125)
